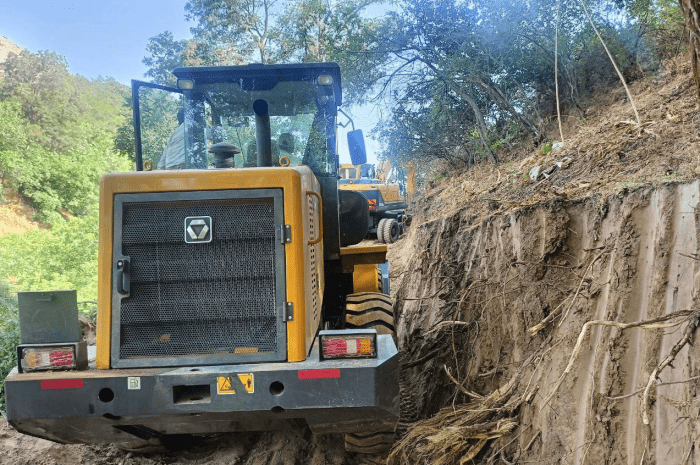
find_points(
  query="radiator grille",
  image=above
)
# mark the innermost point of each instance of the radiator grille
(208, 299)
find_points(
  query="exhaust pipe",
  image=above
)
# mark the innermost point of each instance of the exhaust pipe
(263, 137)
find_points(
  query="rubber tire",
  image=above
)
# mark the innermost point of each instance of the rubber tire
(391, 231)
(369, 443)
(370, 310)
(380, 231)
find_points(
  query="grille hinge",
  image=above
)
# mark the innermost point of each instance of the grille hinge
(288, 311)
(285, 234)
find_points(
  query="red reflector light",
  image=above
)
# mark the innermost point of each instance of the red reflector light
(349, 346)
(47, 358)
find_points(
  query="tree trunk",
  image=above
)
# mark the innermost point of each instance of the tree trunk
(502, 101)
(481, 123)
(691, 10)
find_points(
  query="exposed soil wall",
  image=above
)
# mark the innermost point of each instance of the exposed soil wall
(630, 257)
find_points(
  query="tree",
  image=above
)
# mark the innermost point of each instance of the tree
(235, 25)
(164, 55)
(57, 133)
(691, 10)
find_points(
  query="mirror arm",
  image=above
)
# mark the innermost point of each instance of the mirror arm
(349, 122)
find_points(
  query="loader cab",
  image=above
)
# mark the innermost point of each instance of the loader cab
(220, 124)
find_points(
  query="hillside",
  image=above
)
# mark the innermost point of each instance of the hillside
(15, 215)
(7, 47)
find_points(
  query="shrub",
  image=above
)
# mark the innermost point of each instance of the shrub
(9, 337)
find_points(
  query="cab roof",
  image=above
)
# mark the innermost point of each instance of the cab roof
(263, 77)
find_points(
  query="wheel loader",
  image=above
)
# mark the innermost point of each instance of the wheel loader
(387, 207)
(231, 297)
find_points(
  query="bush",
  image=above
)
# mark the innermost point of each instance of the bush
(61, 259)
(9, 337)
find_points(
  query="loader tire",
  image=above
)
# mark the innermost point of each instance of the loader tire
(370, 310)
(391, 231)
(380, 231)
(369, 443)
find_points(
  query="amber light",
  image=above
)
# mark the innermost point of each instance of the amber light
(349, 346)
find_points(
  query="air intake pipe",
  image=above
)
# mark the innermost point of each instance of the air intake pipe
(263, 137)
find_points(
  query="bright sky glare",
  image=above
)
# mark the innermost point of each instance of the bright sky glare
(98, 38)
(109, 38)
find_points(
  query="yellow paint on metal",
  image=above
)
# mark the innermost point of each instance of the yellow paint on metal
(363, 249)
(365, 278)
(295, 182)
(224, 385)
(390, 192)
(245, 350)
(248, 382)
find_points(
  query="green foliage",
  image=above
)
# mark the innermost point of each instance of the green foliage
(9, 337)
(237, 26)
(662, 23)
(445, 70)
(60, 259)
(546, 148)
(57, 133)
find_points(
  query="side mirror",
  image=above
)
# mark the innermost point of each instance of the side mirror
(356, 146)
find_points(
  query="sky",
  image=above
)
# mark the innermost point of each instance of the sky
(109, 38)
(97, 38)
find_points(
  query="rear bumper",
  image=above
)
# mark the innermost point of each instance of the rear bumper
(98, 406)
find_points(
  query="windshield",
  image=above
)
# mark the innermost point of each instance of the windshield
(302, 126)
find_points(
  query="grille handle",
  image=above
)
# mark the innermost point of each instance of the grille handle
(320, 223)
(124, 276)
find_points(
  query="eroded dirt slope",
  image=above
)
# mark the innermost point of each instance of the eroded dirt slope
(626, 258)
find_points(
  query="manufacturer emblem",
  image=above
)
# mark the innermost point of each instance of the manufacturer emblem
(198, 229)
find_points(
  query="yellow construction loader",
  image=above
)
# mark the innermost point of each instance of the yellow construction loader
(231, 297)
(387, 207)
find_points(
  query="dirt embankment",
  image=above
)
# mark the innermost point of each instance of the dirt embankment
(471, 292)
(16, 216)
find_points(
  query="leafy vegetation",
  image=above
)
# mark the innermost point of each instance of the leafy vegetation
(57, 134)
(459, 81)
(9, 337)
(63, 258)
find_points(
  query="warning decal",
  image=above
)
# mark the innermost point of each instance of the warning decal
(247, 382)
(224, 385)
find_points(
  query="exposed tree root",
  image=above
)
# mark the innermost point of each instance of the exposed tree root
(653, 323)
(687, 334)
(455, 435)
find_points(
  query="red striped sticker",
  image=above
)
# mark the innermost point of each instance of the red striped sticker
(319, 374)
(62, 384)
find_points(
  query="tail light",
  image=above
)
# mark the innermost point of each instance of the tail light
(372, 204)
(49, 357)
(348, 344)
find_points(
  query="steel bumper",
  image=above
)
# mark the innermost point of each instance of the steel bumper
(98, 406)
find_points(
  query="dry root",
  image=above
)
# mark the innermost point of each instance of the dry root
(666, 362)
(455, 435)
(654, 323)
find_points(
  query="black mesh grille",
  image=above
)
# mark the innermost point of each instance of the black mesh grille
(211, 298)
